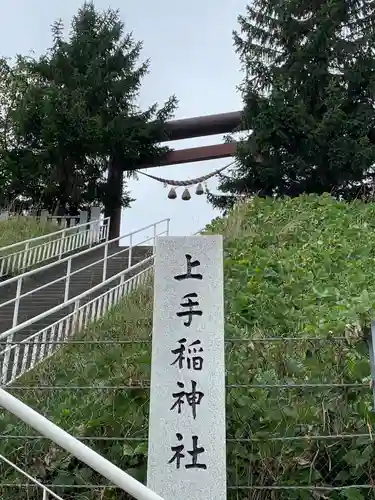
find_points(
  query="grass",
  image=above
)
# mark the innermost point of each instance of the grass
(299, 298)
(17, 229)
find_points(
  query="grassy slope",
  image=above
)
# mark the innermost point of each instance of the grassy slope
(17, 229)
(295, 269)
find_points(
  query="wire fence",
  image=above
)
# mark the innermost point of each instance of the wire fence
(300, 419)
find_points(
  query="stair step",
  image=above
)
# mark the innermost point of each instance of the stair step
(52, 295)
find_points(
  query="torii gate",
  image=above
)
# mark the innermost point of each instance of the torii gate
(189, 128)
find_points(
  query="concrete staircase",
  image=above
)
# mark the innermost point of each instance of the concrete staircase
(53, 295)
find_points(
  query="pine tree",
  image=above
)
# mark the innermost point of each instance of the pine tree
(82, 115)
(308, 99)
(20, 173)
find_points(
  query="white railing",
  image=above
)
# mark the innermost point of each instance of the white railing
(20, 357)
(47, 494)
(26, 254)
(62, 220)
(72, 445)
(132, 240)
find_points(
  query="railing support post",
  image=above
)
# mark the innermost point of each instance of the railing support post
(75, 316)
(168, 222)
(67, 279)
(25, 255)
(108, 227)
(6, 359)
(62, 243)
(95, 216)
(154, 239)
(11, 337)
(17, 302)
(105, 262)
(121, 287)
(130, 250)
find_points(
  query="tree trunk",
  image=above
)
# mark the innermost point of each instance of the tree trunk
(113, 199)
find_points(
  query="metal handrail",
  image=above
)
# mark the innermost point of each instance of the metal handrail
(78, 307)
(73, 300)
(66, 276)
(71, 444)
(97, 305)
(51, 247)
(69, 260)
(46, 236)
(32, 479)
(78, 254)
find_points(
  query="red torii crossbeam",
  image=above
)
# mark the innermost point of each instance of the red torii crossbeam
(201, 153)
(201, 126)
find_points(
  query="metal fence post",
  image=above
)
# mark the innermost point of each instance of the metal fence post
(130, 250)
(108, 226)
(75, 316)
(121, 287)
(4, 371)
(105, 262)
(67, 279)
(17, 302)
(62, 244)
(154, 238)
(168, 222)
(95, 216)
(25, 255)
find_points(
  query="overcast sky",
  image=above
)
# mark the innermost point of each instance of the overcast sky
(190, 47)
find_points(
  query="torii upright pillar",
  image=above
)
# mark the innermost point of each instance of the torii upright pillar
(188, 128)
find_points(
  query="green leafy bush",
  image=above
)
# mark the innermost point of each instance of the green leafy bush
(299, 294)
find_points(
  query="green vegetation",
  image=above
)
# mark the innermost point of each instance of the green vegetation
(298, 269)
(17, 229)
